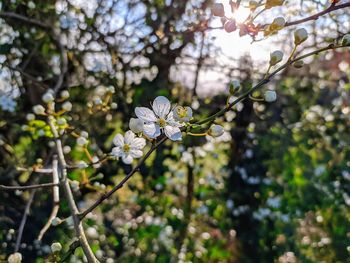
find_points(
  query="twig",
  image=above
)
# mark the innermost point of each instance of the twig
(27, 187)
(25, 19)
(55, 197)
(331, 8)
(24, 220)
(78, 227)
(126, 178)
(71, 251)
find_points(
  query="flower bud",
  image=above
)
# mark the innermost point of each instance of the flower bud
(253, 5)
(30, 117)
(48, 97)
(276, 57)
(110, 89)
(300, 35)
(67, 106)
(56, 221)
(230, 26)
(218, 9)
(75, 185)
(82, 165)
(84, 134)
(39, 110)
(298, 64)
(82, 141)
(136, 125)
(182, 114)
(56, 247)
(346, 40)
(216, 130)
(278, 23)
(270, 96)
(61, 121)
(65, 94)
(234, 86)
(15, 258)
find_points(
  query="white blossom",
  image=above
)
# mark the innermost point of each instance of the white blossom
(182, 114)
(128, 147)
(136, 125)
(7, 103)
(160, 119)
(216, 130)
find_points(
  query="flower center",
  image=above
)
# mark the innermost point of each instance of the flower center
(181, 112)
(126, 148)
(162, 122)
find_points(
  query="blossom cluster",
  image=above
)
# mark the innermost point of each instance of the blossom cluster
(151, 123)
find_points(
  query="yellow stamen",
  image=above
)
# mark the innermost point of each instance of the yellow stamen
(126, 148)
(162, 122)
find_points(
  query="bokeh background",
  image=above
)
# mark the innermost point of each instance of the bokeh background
(274, 188)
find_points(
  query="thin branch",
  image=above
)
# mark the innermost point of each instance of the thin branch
(27, 187)
(25, 19)
(331, 8)
(24, 220)
(126, 178)
(72, 248)
(55, 197)
(78, 227)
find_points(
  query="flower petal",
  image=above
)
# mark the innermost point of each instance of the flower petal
(151, 130)
(171, 121)
(136, 153)
(129, 137)
(117, 151)
(118, 140)
(145, 114)
(161, 106)
(138, 143)
(173, 133)
(127, 159)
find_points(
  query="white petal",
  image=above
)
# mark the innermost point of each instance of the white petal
(127, 159)
(145, 114)
(173, 133)
(129, 137)
(171, 121)
(151, 130)
(161, 106)
(138, 143)
(118, 140)
(136, 153)
(117, 151)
